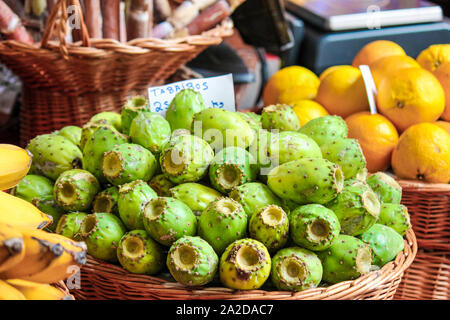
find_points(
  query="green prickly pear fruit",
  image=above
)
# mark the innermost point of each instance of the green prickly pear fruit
(254, 196)
(139, 253)
(314, 227)
(245, 265)
(348, 258)
(289, 146)
(346, 153)
(108, 117)
(186, 159)
(232, 167)
(102, 233)
(280, 117)
(325, 129)
(75, 190)
(131, 109)
(69, 225)
(357, 208)
(103, 139)
(289, 206)
(162, 185)
(88, 129)
(253, 120)
(53, 154)
(167, 219)
(132, 198)
(307, 180)
(73, 133)
(128, 162)
(223, 221)
(32, 186)
(384, 242)
(192, 261)
(195, 195)
(362, 175)
(107, 201)
(270, 226)
(259, 149)
(387, 189)
(296, 269)
(183, 107)
(48, 205)
(222, 128)
(150, 130)
(395, 216)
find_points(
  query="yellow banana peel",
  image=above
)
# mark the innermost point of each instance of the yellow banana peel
(38, 291)
(15, 163)
(12, 248)
(8, 292)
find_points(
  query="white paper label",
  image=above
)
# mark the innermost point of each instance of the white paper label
(218, 92)
(371, 88)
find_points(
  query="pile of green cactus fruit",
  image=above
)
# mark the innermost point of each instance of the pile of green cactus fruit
(211, 196)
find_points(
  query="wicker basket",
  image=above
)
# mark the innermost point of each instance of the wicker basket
(102, 280)
(428, 278)
(429, 208)
(68, 83)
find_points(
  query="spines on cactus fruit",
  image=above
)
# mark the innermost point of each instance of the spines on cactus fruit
(270, 226)
(48, 205)
(128, 162)
(108, 117)
(245, 265)
(254, 196)
(387, 189)
(253, 120)
(186, 159)
(183, 107)
(73, 133)
(357, 208)
(132, 198)
(75, 190)
(102, 233)
(69, 225)
(195, 195)
(32, 186)
(131, 109)
(395, 216)
(348, 258)
(53, 154)
(106, 201)
(192, 261)
(280, 117)
(313, 227)
(223, 221)
(307, 180)
(296, 269)
(168, 219)
(150, 130)
(162, 185)
(326, 128)
(232, 167)
(139, 253)
(346, 153)
(88, 129)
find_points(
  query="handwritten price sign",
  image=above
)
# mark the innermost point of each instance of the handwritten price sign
(218, 92)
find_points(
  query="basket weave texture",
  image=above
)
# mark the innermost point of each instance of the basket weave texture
(102, 280)
(67, 83)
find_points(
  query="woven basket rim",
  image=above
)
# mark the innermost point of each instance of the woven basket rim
(344, 290)
(424, 186)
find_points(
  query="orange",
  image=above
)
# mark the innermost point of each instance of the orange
(388, 66)
(423, 153)
(434, 56)
(342, 92)
(377, 50)
(297, 93)
(444, 125)
(442, 73)
(307, 110)
(377, 137)
(292, 79)
(328, 71)
(411, 96)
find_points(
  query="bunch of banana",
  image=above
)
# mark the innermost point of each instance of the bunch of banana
(15, 163)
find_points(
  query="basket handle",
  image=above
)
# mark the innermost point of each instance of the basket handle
(58, 18)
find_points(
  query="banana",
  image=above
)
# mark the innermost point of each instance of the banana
(38, 291)
(15, 163)
(20, 213)
(38, 254)
(8, 292)
(12, 248)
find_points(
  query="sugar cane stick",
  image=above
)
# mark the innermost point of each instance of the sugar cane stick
(123, 22)
(203, 4)
(111, 19)
(209, 17)
(138, 21)
(92, 18)
(50, 5)
(162, 10)
(11, 26)
(183, 15)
